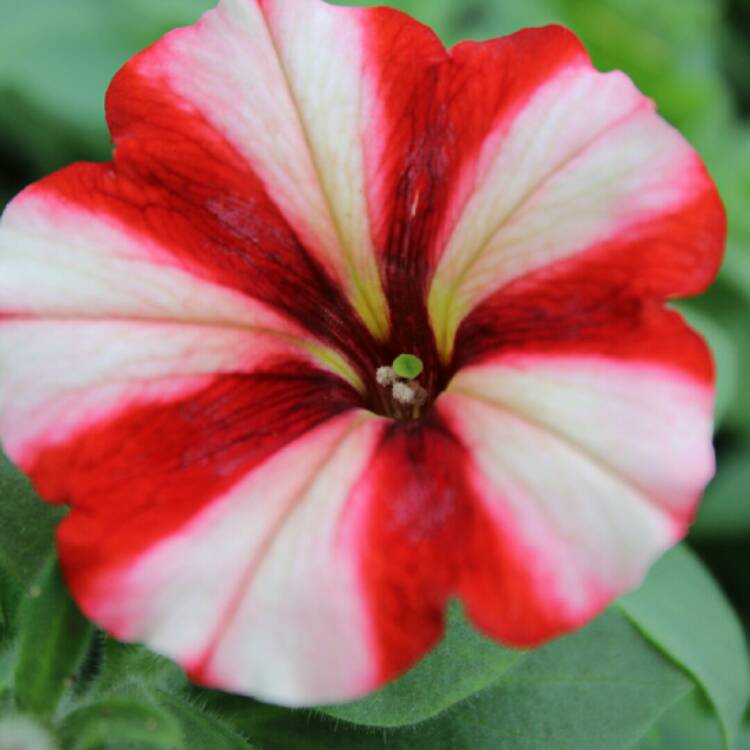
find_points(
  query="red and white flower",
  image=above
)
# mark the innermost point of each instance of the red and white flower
(191, 338)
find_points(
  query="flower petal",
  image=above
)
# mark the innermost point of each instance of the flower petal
(290, 177)
(182, 196)
(299, 120)
(147, 428)
(256, 591)
(595, 304)
(300, 554)
(589, 462)
(59, 378)
(413, 511)
(580, 163)
(63, 255)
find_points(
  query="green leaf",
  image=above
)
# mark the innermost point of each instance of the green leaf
(26, 525)
(200, 730)
(464, 664)
(53, 641)
(126, 666)
(119, 719)
(681, 610)
(690, 725)
(599, 688)
(602, 687)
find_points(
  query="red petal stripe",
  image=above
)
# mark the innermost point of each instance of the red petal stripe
(608, 300)
(418, 514)
(139, 477)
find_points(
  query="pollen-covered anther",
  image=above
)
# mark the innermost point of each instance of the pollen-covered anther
(403, 393)
(420, 394)
(410, 394)
(385, 376)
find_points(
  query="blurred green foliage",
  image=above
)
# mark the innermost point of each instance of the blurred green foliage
(691, 56)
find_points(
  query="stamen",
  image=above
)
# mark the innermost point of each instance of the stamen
(407, 396)
(386, 376)
(420, 394)
(404, 393)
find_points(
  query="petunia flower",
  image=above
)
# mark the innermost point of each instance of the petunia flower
(353, 325)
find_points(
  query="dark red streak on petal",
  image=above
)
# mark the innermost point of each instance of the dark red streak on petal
(404, 62)
(440, 107)
(142, 475)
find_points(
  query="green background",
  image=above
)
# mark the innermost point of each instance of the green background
(663, 670)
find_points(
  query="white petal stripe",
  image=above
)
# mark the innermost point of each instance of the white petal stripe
(299, 122)
(59, 260)
(648, 423)
(585, 159)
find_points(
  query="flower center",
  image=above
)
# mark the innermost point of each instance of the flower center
(402, 396)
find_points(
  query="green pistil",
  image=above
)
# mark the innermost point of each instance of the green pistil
(408, 366)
